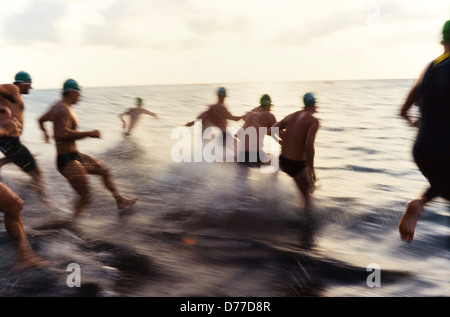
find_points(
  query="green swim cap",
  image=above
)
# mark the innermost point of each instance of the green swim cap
(139, 100)
(265, 101)
(22, 77)
(446, 33)
(71, 84)
(309, 99)
(221, 92)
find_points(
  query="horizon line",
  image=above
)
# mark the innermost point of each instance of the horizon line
(231, 82)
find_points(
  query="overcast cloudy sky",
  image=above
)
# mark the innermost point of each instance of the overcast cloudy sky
(144, 42)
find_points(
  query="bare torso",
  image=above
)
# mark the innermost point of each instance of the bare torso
(298, 127)
(63, 117)
(16, 105)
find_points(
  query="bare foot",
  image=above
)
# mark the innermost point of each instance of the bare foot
(409, 219)
(32, 261)
(123, 203)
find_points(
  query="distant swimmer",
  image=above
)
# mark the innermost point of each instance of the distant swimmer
(11, 205)
(134, 113)
(431, 149)
(72, 164)
(298, 132)
(217, 115)
(250, 151)
(10, 144)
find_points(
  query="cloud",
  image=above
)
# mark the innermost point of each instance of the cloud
(35, 24)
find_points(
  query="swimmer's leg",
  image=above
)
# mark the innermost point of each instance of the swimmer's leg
(302, 181)
(412, 214)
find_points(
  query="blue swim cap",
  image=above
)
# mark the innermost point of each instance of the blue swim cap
(221, 92)
(22, 77)
(309, 99)
(71, 84)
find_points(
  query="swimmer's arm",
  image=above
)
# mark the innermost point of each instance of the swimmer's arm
(229, 116)
(151, 113)
(62, 121)
(66, 134)
(201, 116)
(309, 147)
(44, 118)
(413, 96)
(278, 129)
(10, 127)
(124, 124)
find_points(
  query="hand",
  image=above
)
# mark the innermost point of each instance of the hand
(94, 134)
(46, 138)
(12, 127)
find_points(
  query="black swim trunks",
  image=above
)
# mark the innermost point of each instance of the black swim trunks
(16, 152)
(290, 167)
(251, 159)
(63, 159)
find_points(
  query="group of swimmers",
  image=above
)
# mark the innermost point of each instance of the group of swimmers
(295, 133)
(72, 164)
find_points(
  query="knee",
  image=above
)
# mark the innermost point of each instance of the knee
(15, 208)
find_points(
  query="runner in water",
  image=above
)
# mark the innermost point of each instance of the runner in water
(134, 113)
(431, 150)
(72, 164)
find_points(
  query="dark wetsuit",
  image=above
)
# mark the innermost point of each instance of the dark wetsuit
(16, 152)
(63, 159)
(432, 147)
(290, 167)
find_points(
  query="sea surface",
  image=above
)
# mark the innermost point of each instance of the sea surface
(200, 229)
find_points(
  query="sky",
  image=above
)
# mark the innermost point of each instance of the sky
(156, 42)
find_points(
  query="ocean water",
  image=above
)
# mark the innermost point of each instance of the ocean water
(200, 229)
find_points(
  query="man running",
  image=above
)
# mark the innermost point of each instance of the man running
(298, 132)
(250, 150)
(72, 164)
(11, 205)
(217, 115)
(10, 145)
(134, 113)
(431, 150)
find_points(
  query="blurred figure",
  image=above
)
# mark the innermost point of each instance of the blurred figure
(73, 165)
(11, 205)
(298, 132)
(10, 145)
(250, 151)
(431, 149)
(217, 115)
(134, 113)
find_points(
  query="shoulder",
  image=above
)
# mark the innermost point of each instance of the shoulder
(58, 109)
(11, 88)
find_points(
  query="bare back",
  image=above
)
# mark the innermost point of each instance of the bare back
(257, 118)
(300, 131)
(218, 115)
